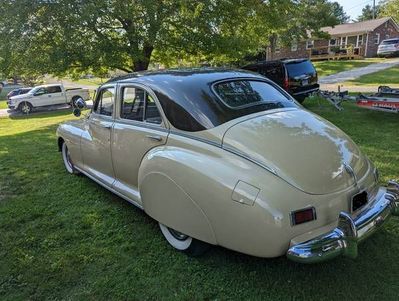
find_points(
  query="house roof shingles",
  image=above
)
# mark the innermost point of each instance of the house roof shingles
(359, 27)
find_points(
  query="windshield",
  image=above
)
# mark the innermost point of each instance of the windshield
(239, 94)
(300, 68)
(390, 42)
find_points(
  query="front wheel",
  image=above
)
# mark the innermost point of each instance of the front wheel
(25, 107)
(183, 242)
(67, 160)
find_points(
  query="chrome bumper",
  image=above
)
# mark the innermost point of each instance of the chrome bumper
(344, 239)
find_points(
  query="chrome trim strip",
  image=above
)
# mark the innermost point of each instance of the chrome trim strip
(110, 188)
(344, 239)
(200, 139)
(240, 154)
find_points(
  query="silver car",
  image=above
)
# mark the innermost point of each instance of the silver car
(389, 47)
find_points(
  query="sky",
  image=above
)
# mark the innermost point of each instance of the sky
(354, 7)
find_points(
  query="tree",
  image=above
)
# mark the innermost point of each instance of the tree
(390, 8)
(75, 35)
(367, 13)
(339, 13)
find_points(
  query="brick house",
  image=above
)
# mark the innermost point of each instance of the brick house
(350, 40)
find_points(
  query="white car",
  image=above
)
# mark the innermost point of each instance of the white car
(388, 47)
(47, 95)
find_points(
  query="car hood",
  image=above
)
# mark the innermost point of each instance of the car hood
(21, 96)
(302, 148)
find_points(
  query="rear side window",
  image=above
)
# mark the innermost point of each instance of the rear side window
(54, 89)
(299, 68)
(138, 105)
(390, 42)
(246, 93)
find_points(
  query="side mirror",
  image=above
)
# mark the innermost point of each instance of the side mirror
(76, 112)
(79, 103)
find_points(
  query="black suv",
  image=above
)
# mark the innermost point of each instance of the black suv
(297, 76)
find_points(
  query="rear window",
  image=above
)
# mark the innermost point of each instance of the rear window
(247, 93)
(299, 68)
(390, 42)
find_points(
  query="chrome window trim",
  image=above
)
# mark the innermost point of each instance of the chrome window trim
(98, 93)
(278, 88)
(119, 119)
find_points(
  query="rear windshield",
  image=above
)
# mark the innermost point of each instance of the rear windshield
(239, 94)
(390, 42)
(299, 68)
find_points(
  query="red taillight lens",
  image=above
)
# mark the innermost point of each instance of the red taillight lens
(286, 84)
(303, 216)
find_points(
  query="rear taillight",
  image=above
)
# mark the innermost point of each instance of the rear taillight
(302, 216)
(286, 84)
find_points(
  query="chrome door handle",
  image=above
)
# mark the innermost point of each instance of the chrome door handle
(107, 126)
(154, 137)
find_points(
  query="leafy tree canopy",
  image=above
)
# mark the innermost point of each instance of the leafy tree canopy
(76, 36)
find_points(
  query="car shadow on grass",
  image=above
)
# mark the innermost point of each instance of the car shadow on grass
(66, 237)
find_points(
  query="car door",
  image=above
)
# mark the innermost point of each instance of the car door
(139, 127)
(40, 97)
(55, 95)
(96, 140)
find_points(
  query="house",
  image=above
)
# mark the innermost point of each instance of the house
(350, 40)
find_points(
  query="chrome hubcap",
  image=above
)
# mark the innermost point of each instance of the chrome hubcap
(178, 235)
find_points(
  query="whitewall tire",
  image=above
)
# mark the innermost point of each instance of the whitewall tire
(182, 242)
(66, 157)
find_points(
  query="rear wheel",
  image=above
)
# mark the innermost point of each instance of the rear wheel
(67, 159)
(25, 107)
(183, 242)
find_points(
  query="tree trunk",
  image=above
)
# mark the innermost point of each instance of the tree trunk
(142, 63)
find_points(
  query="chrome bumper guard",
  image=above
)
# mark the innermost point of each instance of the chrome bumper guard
(344, 239)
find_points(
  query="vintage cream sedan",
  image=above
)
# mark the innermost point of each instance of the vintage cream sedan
(227, 157)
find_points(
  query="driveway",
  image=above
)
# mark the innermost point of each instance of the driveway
(345, 76)
(15, 113)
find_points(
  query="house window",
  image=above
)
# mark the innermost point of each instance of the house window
(343, 42)
(309, 44)
(377, 38)
(294, 46)
(332, 42)
(359, 40)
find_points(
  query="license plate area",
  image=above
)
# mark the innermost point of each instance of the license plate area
(359, 200)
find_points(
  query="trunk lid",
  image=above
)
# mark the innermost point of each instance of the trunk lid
(304, 149)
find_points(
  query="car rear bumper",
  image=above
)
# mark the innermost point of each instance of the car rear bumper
(307, 92)
(344, 239)
(388, 52)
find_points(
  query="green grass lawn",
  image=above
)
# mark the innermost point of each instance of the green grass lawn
(90, 81)
(3, 104)
(331, 67)
(65, 237)
(385, 77)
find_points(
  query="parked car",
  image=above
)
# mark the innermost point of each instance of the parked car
(388, 47)
(297, 76)
(46, 95)
(227, 157)
(18, 91)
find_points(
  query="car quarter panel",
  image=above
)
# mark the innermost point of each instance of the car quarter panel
(71, 133)
(203, 176)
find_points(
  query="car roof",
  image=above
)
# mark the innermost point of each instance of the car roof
(281, 61)
(198, 75)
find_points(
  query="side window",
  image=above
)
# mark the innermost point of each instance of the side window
(105, 102)
(54, 89)
(132, 103)
(138, 105)
(41, 91)
(152, 114)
